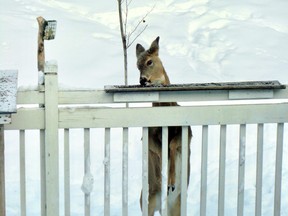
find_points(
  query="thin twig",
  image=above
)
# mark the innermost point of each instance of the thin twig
(129, 44)
(129, 2)
(136, 27)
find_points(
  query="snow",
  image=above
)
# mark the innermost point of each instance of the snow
(8, 91)
(200, 41)
(88, 179)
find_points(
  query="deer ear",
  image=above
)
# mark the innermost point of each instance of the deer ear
(139, 49)
(154, 48)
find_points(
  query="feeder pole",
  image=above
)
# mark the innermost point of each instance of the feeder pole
(47, 30)
(41, 63)
(41, 51)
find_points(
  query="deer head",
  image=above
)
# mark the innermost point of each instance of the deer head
(150, 66)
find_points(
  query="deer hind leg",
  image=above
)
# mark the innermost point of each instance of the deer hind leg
(173, 146)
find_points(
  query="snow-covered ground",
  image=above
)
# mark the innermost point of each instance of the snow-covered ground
(201, 41)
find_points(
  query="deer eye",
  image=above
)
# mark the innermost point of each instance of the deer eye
(149, 63)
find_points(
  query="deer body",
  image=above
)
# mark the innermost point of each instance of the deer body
(152, 72)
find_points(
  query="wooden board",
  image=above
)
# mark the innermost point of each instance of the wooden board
(8, 91)
(198, 86)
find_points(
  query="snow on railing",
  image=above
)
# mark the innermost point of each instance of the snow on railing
(63, 110)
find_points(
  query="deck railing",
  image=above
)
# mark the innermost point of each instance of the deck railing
(69, 109)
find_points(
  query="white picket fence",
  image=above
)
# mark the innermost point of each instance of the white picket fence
(67, 109)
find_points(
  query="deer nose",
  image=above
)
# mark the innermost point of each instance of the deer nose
(143, 81)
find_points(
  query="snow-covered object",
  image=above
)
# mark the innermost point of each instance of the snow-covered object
(87, 185)
(88, 179)
(8, 91)
(40, 78)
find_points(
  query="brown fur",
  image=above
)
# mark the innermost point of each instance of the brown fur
(152, 72)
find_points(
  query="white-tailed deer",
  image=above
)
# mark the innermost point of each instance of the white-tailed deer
(152, 72)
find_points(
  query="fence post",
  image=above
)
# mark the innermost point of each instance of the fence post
(51, 139)
(2, 172)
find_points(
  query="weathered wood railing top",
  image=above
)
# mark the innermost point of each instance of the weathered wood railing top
(127, 94)
(199, 86)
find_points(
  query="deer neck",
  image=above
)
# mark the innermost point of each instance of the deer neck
(166, 81)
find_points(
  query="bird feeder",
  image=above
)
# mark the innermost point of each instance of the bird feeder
(49, 29)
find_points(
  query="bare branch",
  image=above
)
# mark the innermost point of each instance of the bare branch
(129, 3)
(126, 17)
(137, 26)
(129, 44)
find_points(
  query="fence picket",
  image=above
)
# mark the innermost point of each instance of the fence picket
(107, 173)
(278, 170)
(67, 172)
(87, 167)
(184, 167)
(22, 172)
(145, 189)
(164, 171)
(241, 170)
(222, 160)
(125, 173)
(204, 159)
(259, 170)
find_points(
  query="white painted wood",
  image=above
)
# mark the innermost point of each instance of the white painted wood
(107, 173)
(259, 170)
(27, 118)
(125, 173)
(2, 172)
(33, 118)
(145, 187)
(43, 172)
(278, 169)
(51, 141)
(136, 97)
(178, 116)
(67, 172)
(164, 173)
(50, 67)
(222, 166)
(204, 171)
(87, 167)
(251, 94)
(84, 97)
(184, 167)
(97, 96)
(94, 96)
(30, 97)
(22, 172)
(241, 170)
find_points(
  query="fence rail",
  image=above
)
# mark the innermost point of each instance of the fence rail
(87, 109)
